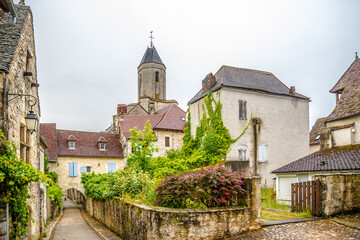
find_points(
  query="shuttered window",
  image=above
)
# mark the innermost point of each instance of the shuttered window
(111, 167)
(73, 169)
(85, 169)
(242, 110)
(262, 153)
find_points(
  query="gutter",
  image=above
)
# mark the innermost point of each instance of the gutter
(13, 13)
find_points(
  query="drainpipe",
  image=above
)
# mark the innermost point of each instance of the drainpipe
(13, 13)
(256, 128)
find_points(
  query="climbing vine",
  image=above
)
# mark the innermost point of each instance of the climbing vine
(15, 176)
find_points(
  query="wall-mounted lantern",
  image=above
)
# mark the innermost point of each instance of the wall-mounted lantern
(30, 119)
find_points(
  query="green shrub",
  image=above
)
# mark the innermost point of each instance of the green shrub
(215, 186)
(55, 193)
(96, 185)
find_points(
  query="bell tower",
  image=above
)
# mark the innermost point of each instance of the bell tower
(152, 75)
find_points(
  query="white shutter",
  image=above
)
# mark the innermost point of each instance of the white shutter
(262, 153)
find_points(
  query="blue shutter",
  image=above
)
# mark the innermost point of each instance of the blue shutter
(111, 167)
(83, 169)
(75, 169)
(71, 169)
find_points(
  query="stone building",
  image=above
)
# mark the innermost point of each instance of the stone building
(279, 128)
(166, 118)
(335, 139)
(19, 96)
(73, 153)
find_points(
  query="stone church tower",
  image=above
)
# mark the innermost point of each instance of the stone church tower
(151, 76)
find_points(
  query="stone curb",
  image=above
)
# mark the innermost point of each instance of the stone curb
(346, 224)
(91, 226)
(52, 226)
(286, 221)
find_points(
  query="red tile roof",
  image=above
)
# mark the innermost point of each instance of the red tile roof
(174, 119)
(335, 159)
(86, 143)
(48, 131)
(169, 118)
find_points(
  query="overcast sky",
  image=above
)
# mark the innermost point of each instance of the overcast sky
(88, 51)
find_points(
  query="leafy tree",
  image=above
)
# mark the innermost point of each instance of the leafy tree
(142, 147)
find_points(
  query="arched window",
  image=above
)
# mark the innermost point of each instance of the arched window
(157, 77)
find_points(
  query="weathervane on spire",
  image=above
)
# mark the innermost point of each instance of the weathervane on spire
(151, 39)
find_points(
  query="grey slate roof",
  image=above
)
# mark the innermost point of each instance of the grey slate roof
(248, 79)
(9, 36)
(151, 55)
(335, 159)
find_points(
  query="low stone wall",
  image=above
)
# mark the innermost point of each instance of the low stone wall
(134, 221)
(340, 193)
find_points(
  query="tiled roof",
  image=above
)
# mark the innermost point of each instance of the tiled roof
(349, 103)
(335, 159)
(48, 132)
(139, 121)
(151, 55)
(170, 119)
(174, 119)
(248, 79)
(316, 129)
(9, 36)
(86, 143)
(348, 77)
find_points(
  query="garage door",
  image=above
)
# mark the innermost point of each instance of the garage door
(285, 187)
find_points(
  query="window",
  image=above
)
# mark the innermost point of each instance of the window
(242, 154)
(73, 169)
(25, 144)
(102, 147)
(86, 169)
(111, 167)
(242, 110)
(167, 141)
(317, 137)
(262, 153)
(157, 77)
(71, 144)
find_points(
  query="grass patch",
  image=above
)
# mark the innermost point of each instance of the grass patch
(270, 215)
(268, 199)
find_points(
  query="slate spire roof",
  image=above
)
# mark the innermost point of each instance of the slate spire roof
(151, 55)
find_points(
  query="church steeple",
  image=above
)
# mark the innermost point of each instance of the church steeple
(152, 75)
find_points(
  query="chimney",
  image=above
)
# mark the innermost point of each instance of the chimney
(292, 89)
(208, 82)
(121, 109)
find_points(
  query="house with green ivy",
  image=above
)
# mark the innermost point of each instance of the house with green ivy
(279, 119)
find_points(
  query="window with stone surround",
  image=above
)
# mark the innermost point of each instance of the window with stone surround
(25, 144)
(242, 154)
(167, 141)
(242, 110)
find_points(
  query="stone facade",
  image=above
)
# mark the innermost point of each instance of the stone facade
(340, 193)
(98, 165)
(283, 126)
(12, 119)
(135, 221)
(175, 140)
(152, 81)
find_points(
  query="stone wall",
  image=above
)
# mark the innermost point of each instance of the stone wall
(340, 193)
(175, 141)
(134, 221)
(3, 221)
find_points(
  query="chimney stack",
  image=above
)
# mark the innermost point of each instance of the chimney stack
(208, 82)
(292, 89)
(121, 109)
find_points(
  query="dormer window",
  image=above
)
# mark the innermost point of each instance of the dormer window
(102, 144)
(71, 142)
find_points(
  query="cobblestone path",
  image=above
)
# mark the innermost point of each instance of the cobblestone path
(322, 229)
(72, 225)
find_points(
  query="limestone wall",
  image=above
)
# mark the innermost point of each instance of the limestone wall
(98, 165)
(339, 193)
(284, 127)
(134, 221)
(175, 140)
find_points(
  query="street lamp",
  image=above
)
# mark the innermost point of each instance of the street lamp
(30, 119)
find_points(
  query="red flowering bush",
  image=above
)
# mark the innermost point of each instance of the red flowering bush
(215, 186)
